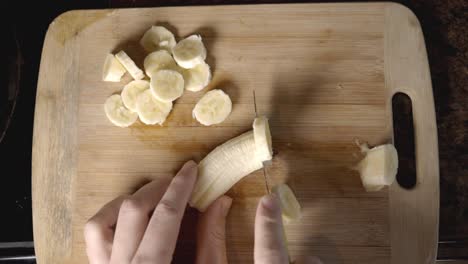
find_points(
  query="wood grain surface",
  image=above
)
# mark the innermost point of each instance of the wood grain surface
(323, 73)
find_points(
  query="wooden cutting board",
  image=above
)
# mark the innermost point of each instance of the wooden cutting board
(324, 74)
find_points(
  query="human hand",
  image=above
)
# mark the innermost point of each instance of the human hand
(143, 227)
(270, 242)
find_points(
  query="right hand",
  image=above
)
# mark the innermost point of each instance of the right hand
(270, 243)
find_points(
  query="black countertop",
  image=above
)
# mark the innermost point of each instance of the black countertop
(444, 25)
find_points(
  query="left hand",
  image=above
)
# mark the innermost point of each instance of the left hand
(143, 227)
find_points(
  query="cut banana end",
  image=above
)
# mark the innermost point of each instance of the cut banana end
(290, 207)
(223, 167)
(167, 85)
(197, 78)
(112, 70)
(130, 65)
(213, 108)
(151, 110)
(156, 38)
(189, 52)
(158, 60)
(117, 113)
(131, 91)
(379, 167)
(262, 134)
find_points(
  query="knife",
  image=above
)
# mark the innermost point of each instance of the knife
(265, 176)
(265, 163)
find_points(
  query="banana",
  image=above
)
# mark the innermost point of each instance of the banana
(112, 70)
(223, 167)
(189, 52)
(151, 110)
(213, 108)
(197, 78)
(167, 85)
(379, 167)
(131, 91)
(226, 165)
(158, 60)
(156, 38)
(290, 207)
(117, 113)
(263, 138)
(130, 65)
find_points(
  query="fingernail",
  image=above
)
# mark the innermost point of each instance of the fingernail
(189, 167)
(226, 205)
(190, 164)
(270, 202)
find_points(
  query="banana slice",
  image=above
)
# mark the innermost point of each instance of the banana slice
(156, 38)
(131, 91)
(117, 113)
(112, 70)
(379, 167)
(130, 65)
(223, 167)
(189, 52)
(158, 60)
(290, 207)
(167, 85)
(262, 135)
(151, 110)
(213, 108)
(197, 78)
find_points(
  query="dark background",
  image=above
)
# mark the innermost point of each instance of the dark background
(444, 24)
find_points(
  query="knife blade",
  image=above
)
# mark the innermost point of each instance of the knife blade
(265, 177)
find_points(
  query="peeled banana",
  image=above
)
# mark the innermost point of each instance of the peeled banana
(213, 108)
(224, 167)
(290, 207)
(151, 110)
(379, 167)
(131, 91)
(158, 60)
(156, 38)
(117, 113)
(197, 78)
(130, 65)
(112, 70)
(189, 52)
(167, 85)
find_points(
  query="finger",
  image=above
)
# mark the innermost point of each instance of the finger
(161, 234)
(211, 233)
(133, 219)
(270, 246)
(99, 232)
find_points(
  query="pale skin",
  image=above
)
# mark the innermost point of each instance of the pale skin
(142, 228)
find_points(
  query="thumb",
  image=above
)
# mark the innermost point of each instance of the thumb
(270, 246)
(211, 233)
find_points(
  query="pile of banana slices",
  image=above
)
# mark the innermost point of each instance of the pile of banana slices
(172, 68)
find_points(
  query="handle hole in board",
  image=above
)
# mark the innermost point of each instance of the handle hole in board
(403, 130)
